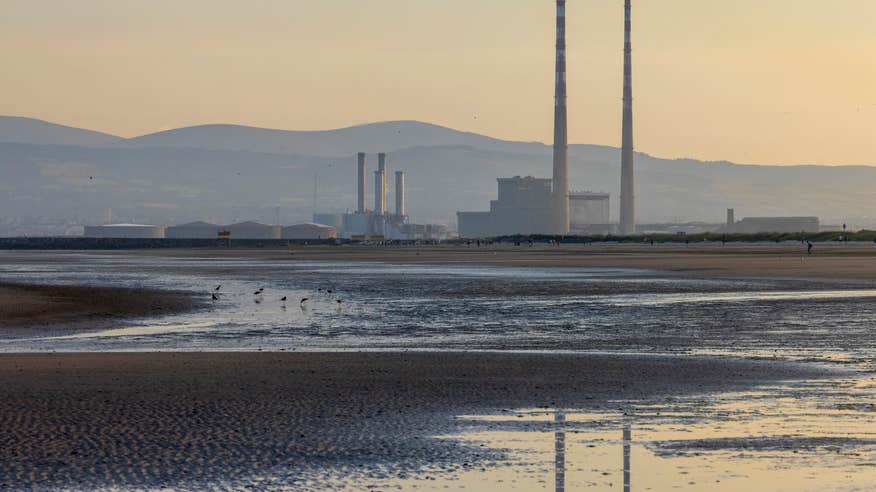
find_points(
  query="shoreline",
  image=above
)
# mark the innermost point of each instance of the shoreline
(198, 419)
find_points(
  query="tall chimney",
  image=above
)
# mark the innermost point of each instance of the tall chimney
(561, 137)
(628, 189)
(380, 185)
(360, 203)
(400, 194)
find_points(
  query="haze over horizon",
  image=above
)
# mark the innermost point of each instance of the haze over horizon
(713, 81)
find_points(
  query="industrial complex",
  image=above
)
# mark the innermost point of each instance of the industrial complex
(525, 205)
(528, 205)
(378, 223)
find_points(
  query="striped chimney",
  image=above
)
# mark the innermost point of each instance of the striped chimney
(561, 138)
(628, 195)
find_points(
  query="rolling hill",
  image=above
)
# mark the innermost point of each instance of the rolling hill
(225, 173)
(16, 129)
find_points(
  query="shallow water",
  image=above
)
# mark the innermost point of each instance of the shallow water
(803, 435)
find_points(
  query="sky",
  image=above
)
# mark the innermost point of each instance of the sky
(751, 81)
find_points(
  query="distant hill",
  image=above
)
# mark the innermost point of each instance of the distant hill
(193, 173)
(372, 138)
(16, 129)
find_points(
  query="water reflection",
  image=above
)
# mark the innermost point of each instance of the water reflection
(560, 451)
(627, 440)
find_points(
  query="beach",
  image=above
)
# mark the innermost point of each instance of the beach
(122, 374)
(833, 261)
(198, 420)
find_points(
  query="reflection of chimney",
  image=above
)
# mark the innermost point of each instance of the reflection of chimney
(628, 437)
(360, 204)
(400, 194)
(561, 149)
(560, 452)
(380, 185)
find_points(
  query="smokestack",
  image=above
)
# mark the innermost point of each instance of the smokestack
(360, 204)
(380, 185)
(561, 151)
(731, 216)
(628, 189)
(400, 194)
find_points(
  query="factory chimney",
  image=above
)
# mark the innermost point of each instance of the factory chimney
(360, 203)
(561, 150)
(400, 194)
(628, 189)
(380, 185)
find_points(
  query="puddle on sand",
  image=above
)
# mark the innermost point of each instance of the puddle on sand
(805, 436)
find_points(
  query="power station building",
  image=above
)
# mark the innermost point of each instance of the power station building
(524, 207)
(589, 212)
(309, 230)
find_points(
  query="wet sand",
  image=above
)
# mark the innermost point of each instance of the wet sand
(188, 420)
(786, 260)
(28, 307)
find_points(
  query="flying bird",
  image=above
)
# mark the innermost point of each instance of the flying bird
(218, 287)
(303, 300)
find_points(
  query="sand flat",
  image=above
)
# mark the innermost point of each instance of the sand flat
(193, 419)
(787, 260)
(65, 307)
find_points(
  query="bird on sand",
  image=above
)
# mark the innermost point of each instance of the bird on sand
(339, 301)
(283, 298)
(215, 297)
(258, 292)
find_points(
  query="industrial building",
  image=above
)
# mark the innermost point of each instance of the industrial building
(194, 230)
(524, 207)
(252, 230)
(589, 213)
(119, 231)
(309, 230)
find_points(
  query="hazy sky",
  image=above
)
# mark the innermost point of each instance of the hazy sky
(757, 81)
